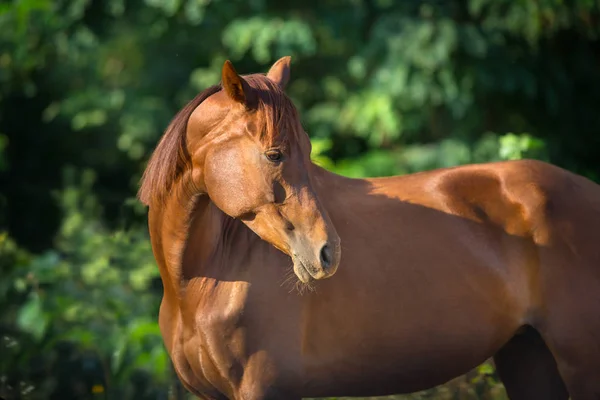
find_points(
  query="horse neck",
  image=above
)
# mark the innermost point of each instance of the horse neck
(168, 224)
(191, 236)
(333, 189)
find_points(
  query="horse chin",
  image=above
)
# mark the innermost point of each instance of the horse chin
(301, 272)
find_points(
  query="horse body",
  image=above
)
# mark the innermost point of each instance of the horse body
(439, 271)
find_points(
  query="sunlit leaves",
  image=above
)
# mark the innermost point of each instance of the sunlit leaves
(267, 39)
(169, 7)
(515, 147)
(372, 116)
(195, 10)
(319, 148)
(204, 77)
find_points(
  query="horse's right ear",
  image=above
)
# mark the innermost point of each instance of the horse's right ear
(280, 71)
(235, 86)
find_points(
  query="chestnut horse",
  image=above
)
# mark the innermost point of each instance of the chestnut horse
(436, 271)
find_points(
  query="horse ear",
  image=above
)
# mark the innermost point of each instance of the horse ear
(235, 86)
(280, 71)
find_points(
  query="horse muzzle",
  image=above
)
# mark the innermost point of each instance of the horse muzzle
(316, 265)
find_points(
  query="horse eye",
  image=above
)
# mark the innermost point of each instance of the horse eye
(274, 155)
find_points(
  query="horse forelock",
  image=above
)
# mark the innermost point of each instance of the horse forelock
(277, 115)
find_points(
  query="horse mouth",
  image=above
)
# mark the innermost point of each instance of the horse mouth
(302, 272)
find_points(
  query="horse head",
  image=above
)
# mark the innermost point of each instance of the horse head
(245, 148)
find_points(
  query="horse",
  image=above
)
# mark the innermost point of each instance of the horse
(283, 280)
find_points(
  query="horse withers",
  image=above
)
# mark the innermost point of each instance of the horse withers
(283, 280)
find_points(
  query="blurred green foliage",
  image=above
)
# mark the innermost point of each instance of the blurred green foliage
(383, 87)
(87, 296)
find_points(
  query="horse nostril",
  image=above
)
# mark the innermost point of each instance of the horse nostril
(326, 256)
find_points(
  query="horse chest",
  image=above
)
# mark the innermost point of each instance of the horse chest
(212, 340)
(242, 340)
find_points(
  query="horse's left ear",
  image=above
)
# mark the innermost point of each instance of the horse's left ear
(280, 71)
(235, 86)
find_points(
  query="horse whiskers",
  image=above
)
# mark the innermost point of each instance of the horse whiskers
(302, 287)
(290, 279)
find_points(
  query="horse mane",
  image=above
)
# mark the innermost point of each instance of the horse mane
(170, 157)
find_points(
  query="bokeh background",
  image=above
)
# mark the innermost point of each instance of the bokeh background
(383, 87)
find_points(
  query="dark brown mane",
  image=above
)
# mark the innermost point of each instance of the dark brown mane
(170, 157)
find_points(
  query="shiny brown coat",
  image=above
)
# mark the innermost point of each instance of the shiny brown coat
(283, 280)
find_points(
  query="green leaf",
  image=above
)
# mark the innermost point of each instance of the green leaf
(485, 369)
(515, 147)
(141, 328)
(31, 317)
